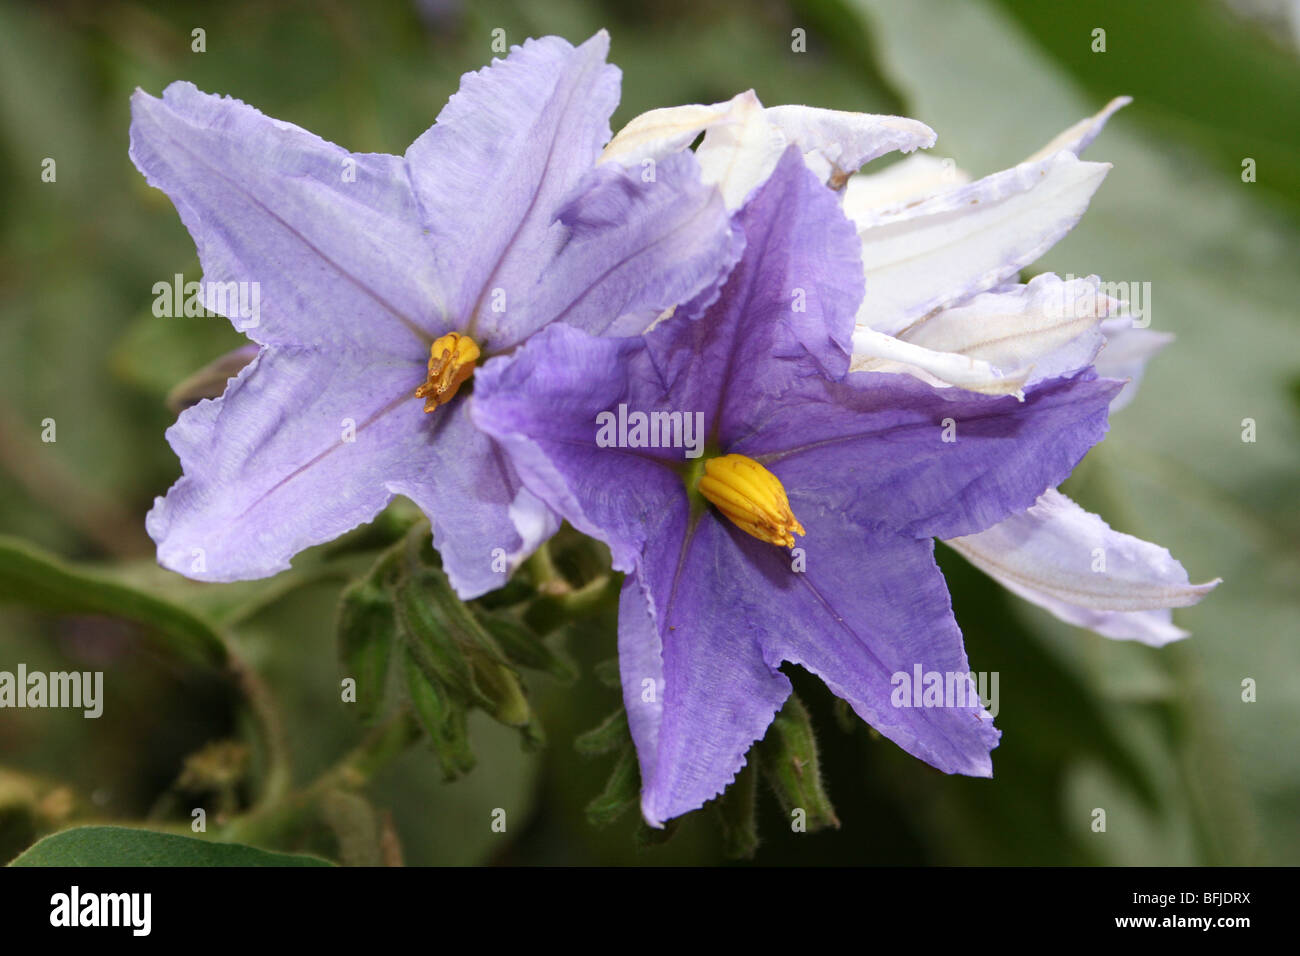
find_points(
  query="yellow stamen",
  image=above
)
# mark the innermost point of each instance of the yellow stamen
(752, 497)
(451, 363)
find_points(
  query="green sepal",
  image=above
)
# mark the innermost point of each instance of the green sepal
(426, 612)
(788, 758)
(608, 736)
(442, 718)
(648, 836)
(621, 792)
(367, 628)
(736, 808)
(607, 673)
(525, 648)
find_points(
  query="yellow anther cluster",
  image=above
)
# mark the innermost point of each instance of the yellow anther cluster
(752, 497)
(451, 363)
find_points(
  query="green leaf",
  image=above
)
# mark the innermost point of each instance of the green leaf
(33, 578)
(124, 846)
(788, 756)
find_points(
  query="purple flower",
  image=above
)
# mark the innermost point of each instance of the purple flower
(379, 281)
(859, 471)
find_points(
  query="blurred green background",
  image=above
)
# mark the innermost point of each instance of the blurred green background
(1187, 771)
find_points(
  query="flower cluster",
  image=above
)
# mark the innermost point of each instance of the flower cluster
(766, 381)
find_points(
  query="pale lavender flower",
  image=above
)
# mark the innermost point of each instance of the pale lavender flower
(379, 275)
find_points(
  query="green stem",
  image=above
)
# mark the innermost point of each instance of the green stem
(376, 750)
(269, 731)
(583, 600)
(272, 822)
(545, 575)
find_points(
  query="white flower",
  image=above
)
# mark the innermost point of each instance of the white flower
(942, 256)
(743, 140)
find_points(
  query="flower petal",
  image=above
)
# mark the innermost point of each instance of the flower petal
(634, 248)
(713, 614)
(330, 241)
(1051, 325)
(906, 181)
(890, 451)
(931, 254)
(662, 132)
(1126, 355)
(921, 176)
(836, 144)
(790, 298)
(998, 341)
(1154, 628)
(269, 467)
(877, 352)
(891, 196)
(306, 445)
(1080, 136)
(696, 687)
(870, 606)
(1070, 562)
(743, 141)
(490, 174)
(478, 507)
(542, 405)
(739, 152)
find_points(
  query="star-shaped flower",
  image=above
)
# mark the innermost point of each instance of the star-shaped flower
(857, 470)
(383, 281)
